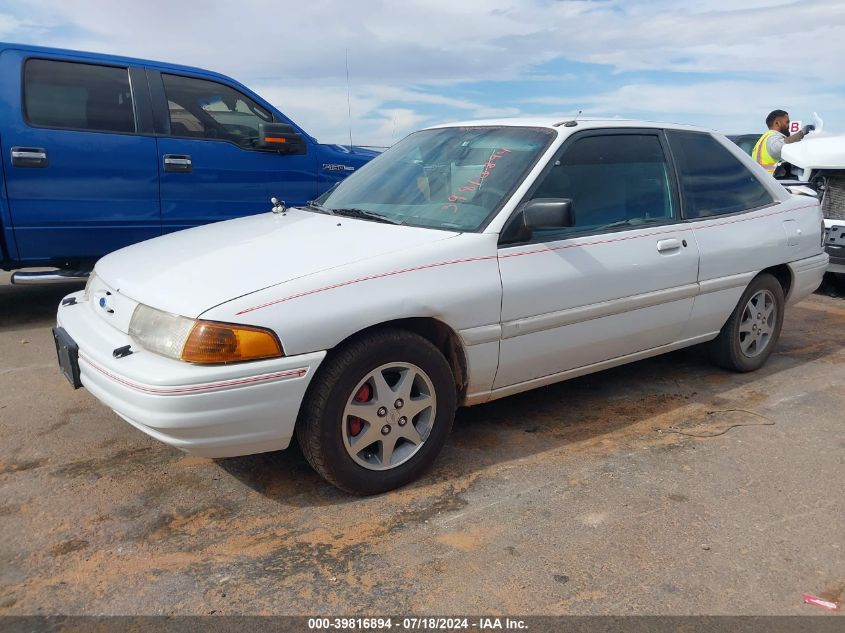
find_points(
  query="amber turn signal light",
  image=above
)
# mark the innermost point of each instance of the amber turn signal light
(211, 342)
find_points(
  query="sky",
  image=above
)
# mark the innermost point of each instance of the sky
(722, 64)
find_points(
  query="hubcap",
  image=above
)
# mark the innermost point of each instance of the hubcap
(389, 416)
(757, 324)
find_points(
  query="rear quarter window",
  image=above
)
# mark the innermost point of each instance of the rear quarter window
(713, 181)
(78, 96)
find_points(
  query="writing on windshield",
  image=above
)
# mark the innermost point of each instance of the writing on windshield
(451, 178)
(472, 186)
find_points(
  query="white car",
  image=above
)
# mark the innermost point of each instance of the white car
(467, 263)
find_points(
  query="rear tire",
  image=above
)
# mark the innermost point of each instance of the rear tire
(749, 336)
(378, 412)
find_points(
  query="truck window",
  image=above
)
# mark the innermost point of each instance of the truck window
(77, 96)
(206, 109)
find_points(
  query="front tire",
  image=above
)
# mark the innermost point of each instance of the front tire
(378, 412)
(749, 336)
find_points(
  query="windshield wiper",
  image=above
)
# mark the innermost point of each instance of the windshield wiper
(313, 204)
(365, 215)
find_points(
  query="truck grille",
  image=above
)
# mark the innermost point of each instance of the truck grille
(833, 203)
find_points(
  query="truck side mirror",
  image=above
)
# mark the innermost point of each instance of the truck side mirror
(280, 137)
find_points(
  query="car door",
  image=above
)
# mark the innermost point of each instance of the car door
(739, 226)
(210, 170)
(79, 156)
(620, 281)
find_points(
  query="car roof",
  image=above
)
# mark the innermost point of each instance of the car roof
(558, 123)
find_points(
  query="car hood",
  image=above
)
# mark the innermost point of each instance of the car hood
(191, 271)
(825, 151)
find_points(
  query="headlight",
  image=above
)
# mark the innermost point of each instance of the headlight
(197, 341)
(91, 278)
(159, 331)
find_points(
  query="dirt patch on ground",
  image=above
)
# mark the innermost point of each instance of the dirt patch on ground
(466, 541)
(189, 461)
(170, 526)
(19, 466)
(66, 547)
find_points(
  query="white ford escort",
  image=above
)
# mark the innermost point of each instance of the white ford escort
(466, 263)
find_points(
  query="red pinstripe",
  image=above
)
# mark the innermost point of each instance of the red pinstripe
(368, 278)
(293, 373)
(547, 249)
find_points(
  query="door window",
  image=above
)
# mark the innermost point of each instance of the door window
(206, 109)
(77, 96)
(713, 181)
(612, 180)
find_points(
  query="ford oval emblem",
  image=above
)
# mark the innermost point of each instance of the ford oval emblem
(104, 305)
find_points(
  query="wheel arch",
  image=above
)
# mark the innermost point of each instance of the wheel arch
(439, 334)
(783, 274)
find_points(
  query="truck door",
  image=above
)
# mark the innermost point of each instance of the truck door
(79, 156)
(210, 168)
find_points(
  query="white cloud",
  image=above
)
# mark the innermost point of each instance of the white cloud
(447, 41)
(326, 109)
(407, 59)
(394, 123)
(728, 106)
(8, 25)
(798, 39)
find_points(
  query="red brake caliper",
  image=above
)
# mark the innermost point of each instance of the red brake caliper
(356, 425)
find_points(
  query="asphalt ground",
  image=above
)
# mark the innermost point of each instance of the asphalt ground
(630, 491)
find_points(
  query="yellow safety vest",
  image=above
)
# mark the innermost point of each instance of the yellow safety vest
(761, 153)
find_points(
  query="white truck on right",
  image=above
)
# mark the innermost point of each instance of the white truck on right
(819, 162)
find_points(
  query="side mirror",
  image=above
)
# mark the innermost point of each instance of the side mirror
(548, 213)
(280, 137)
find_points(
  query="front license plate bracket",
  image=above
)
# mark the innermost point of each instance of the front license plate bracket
(67, 352)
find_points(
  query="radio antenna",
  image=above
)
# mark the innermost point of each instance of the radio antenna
(571, 123)
(348, 100)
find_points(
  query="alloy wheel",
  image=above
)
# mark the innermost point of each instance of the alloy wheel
(389, 416)
(757, 324)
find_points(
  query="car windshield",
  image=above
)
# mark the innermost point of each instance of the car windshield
(448, 178)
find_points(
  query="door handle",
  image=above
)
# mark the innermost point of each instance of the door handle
(29, 157)
(665, 246)
(177, 162)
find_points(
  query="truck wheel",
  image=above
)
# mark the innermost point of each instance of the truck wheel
(378, 412)
(750, 334)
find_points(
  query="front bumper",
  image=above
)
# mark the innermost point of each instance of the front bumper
(212, 411)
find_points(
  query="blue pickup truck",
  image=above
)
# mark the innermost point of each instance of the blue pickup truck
(99, 152)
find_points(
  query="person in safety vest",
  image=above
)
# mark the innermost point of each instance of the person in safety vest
(768, 148)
